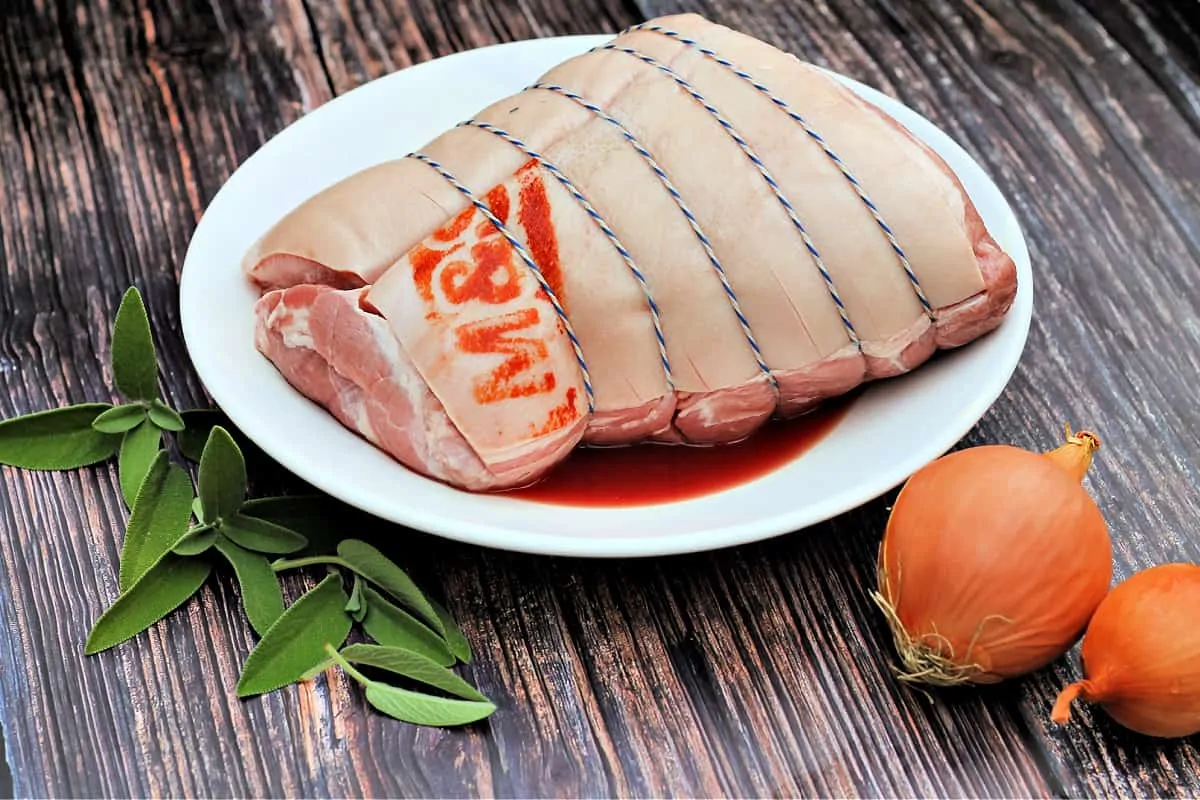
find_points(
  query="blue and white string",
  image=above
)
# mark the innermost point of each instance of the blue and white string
(734, 304)
(816, 137)
(601, 224)
(741, 142)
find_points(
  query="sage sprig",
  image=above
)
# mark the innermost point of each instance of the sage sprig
(374, 566)
(166, 557)
(395, 627)
(411, 665)
(415, 707)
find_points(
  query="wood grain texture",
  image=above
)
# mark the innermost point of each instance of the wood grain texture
(760, 671)
(1085, 114)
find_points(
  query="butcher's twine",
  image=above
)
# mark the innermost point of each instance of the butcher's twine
(814, 135)
(529, 262)
(741, 142)
(705, 243)
(683, 207)
(601, 224)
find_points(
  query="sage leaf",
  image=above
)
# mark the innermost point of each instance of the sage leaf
(198, 511)
(373, 565)
(394, 627)
(61, 438)
(134, 363)
(158, 521)
(119, 419)
(165, 417)
(294, 644)
(458, 643)
(222, 476)
(424, 709)
(354, 606)
(411, 665)
(158, 593)
(261, 536)
(317, 518)
(196, 542)
(261, 595)
(138, 448)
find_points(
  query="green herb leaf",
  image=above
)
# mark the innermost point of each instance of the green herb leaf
(119, 419)
(459, 645)
(316, 517)
(198, 511)
(222, 476)
(424, 709)
(261, 596)
(379, 570)
(196, 542)
(62, 438)
(261, 536)
(158, 521)
(354, 606)
(134, 363)
(158, 593)
(138, 449)
(295, 643)
(165, 417)
(394, 627)
(411, 665)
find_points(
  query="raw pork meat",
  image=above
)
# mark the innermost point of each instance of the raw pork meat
(670, 238)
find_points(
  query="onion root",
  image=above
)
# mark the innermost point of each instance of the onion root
(930, 658)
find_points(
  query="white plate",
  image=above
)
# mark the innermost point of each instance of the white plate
(892, 430)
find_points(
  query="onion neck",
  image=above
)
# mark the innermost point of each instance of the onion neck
(1080, 690)
(1075, 454)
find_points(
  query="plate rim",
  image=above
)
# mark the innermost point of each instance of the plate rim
(505, 538)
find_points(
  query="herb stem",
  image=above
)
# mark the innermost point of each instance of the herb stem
(345, 665)
(201, 528)
(281, 564)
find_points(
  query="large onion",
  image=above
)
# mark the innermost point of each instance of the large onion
(993, 561)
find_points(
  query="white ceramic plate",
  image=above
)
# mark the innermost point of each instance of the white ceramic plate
(892, 430)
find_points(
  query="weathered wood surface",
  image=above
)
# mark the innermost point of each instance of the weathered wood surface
(759, 671)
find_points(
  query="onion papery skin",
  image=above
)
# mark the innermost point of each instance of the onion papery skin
(1141, 654)
(992, 563)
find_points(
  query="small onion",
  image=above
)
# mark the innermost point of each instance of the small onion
(1141, 654)
(993, 561)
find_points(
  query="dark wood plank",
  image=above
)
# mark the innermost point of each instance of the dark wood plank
(760, 671)
(1086, 115)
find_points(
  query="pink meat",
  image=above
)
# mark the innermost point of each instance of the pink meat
(346, 360)
(372, 283)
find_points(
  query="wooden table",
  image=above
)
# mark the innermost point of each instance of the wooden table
(759, 671)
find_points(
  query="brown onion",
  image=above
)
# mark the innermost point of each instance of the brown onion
(1141, 654)
(993, 561)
